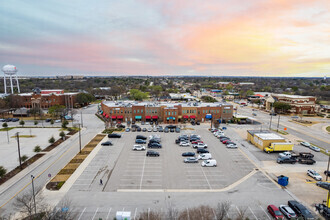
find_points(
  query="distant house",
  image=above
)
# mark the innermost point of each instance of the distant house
(21, 112)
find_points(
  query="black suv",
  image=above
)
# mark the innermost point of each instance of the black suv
(141, 137)
(202, 151)
(300, 210)
(114, 135)
(286, 160)
(152, 153)
(154, 145)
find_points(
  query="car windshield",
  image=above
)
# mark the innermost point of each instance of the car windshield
(278, 213)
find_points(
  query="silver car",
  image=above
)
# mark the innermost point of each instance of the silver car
(231, 146)
(287, 211)
(139, 147)
(314, 148)
(191, 160)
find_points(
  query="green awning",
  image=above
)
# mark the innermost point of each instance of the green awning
(167, 118)
(138, 117)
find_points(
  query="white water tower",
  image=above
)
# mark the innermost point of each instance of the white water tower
(10, 70)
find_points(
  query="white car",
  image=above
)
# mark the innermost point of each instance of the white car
(314, 175)
(305, 144)
(200, 145)
(57, 121)
(184, 144)
(139, 147)
(314, 148)
(149, 130)
(231, 146)
(209, 163)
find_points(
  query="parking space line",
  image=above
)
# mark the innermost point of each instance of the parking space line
(108, 213)
(265, 212)
(253, 213)
(206, 178)
(135, 213)
(95, 213)
(82, 213)
(142, 172)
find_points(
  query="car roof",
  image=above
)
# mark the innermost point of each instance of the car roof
(274, 207)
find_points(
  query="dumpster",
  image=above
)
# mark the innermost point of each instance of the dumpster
(283, 180)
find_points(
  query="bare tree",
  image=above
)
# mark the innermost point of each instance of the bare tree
(150, 215)
(172, 212)
(241, 212)
(222, 210)
(60, 212)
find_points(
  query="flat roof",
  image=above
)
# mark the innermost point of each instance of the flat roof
(167, 104)
(268, 136)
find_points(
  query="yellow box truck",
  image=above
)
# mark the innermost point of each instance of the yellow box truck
(275, 147)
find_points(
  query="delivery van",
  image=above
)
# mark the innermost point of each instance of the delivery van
(204, 156)
(209, 163)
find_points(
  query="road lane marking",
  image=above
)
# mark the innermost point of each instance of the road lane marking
(142, 172)
(108, 214)
(95, 213)
(253, 213)
(82, 213)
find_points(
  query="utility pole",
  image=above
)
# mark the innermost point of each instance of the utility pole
(326, 179)
(19, 150)
(81, 119)
(79, 139)
(278, 122)
(34, 196)
(271, 117)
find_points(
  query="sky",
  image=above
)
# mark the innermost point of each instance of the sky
(166, 37)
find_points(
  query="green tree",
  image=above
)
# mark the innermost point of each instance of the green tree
(65, 124)
(24, 158)
(5, 125)
(3, 171)
(52, 122)
(62, 135)
(51, 140)
(85, 98)
(229, 87)
(249, 92)
(21, 122)
(36, 123)
(284, 107)
(37, 149)
(56, 110)
(138, 95)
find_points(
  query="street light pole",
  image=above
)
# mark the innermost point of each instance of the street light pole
(278, 122)
(81, 119)
(79, 138)
(19, 151)
(271, 117)
(34, 197)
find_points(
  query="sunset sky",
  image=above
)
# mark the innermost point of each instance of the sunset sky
(166, 37)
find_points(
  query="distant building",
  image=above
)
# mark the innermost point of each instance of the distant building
(299, 104)
(165, 112)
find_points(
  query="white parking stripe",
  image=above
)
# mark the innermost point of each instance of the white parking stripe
(95, 213)
(142, 172)
(265, 212)
(253, 213)
(108, 214)
(135, 213)
(206, 178)
(82, 213)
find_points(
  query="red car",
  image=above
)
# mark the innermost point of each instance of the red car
(225, 141)
(196, 142)
(275, 212)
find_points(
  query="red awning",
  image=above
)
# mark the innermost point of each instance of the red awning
(113, 117)
(104, 114)
(148, 117)
(120, 117)
(192, 116)
(185, 116)
(155, 117)
(107, 116)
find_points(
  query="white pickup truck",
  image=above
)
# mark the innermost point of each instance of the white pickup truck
(200, 145)
(288, 154)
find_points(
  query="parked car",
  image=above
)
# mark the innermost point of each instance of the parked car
(166, 130)
(188, 154)
(324, 185)
(141, 137)
(114, 135)
(154, 141)
(225, 141)
(305, 144)
(138, 129)
(200, 145)
(160, 129)
(300, 210)
(275, 212)
(149, 129)
(191, 160)
(154, 129)
(48, 120)
(107, 143)
(127, 129)
(209, 163)
(306, 161)
(144, 129)
(154, 145)
(120, 126)
(152, 153)
(172, 130)
(133, 129)
(198, 123)
(202, 150)
(204, 156)
(231, 146)
(287, 211)
(317, 149)
(58, 121)
(177, 130)
(140, 141)
(323, 210)
(314, 175)
(184, 144)
(286, 160)
(139, 147)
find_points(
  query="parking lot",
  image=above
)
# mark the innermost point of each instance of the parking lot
(134, 170)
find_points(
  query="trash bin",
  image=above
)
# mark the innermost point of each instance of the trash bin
(283, 180)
